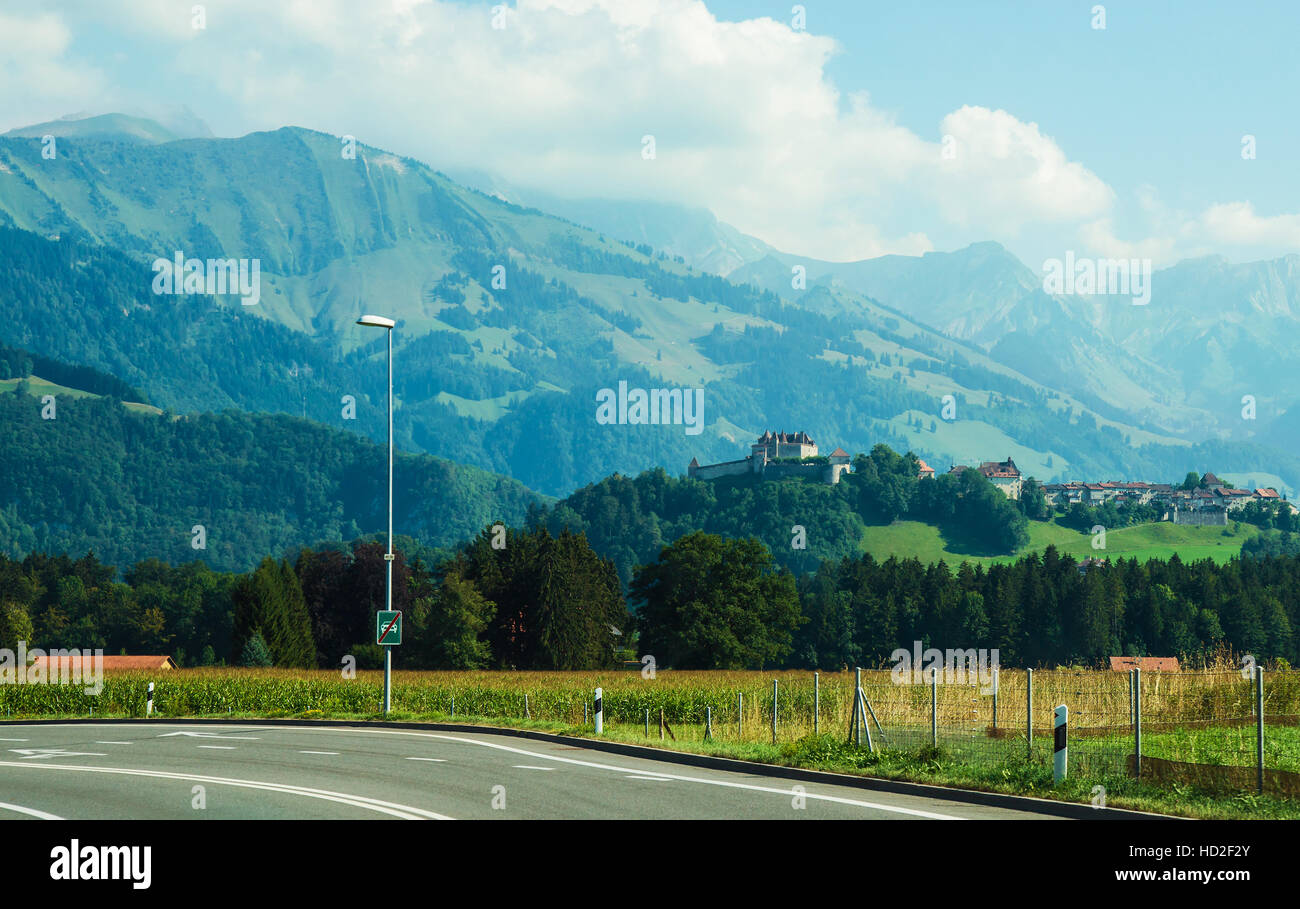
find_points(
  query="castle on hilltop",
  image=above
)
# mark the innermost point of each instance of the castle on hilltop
(778, 454)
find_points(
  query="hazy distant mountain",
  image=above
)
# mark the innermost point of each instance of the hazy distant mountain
(119, 127)
(692, 235)
(512, 319)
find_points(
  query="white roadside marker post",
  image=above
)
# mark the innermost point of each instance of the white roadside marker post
(1060, 716)
(600, 710)
(148, 704)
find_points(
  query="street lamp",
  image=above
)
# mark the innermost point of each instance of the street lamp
(381, 322)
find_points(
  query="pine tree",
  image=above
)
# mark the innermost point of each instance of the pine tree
(255, 652)
(299, 649)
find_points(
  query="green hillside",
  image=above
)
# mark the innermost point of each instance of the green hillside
(1144, 541)
(104, 477)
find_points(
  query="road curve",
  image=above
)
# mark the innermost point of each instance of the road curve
(142, 770)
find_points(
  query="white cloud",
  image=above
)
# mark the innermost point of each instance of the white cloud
(1236, 224)
(745, 119)
(1006, 174)
(1231, 229)
(35, 75)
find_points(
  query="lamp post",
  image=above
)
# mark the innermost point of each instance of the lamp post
(381, 322)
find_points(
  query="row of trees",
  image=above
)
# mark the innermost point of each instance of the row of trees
(528, 599)
(510, 599)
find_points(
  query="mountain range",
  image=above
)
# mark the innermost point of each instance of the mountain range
(513, 315)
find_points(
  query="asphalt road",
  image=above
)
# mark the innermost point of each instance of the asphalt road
(159, 771)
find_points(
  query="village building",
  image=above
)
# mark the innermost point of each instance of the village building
(1004, 475)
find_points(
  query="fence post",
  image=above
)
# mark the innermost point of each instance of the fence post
(817, 702)
(934, 708)
(995, 698)
(600, 710)
(857, 709)
(862, 715)
(1259, 727)
(774, 683)
(1029, 713)
(1137, 722)
(708, 723)
(1131, 714)
(1060, 743)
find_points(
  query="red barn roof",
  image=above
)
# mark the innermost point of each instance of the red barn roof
(141, 661)
(1146, 664)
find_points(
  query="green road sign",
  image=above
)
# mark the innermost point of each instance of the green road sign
(388, 627)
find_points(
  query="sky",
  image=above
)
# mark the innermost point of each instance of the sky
(834, 130)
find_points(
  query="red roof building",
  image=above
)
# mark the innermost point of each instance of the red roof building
(1146, 664)
(140, 662)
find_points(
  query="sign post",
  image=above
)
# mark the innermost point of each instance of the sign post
(388, 634)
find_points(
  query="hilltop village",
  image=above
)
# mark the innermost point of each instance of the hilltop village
(775, 455)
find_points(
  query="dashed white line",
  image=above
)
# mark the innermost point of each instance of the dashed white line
(43, 815)
(13, 740)
(316, 752)
(531, 767)
(115, 743)
(431, 760)
(219, 747)
(653, 779)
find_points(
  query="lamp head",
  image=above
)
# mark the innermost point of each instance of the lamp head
(376, 321)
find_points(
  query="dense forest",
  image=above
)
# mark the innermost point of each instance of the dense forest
(528, 599)
(516, 599)
(132, 486)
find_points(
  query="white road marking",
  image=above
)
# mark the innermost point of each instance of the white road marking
(431, 760)
(531, 766)
(303, 752)
(13, 740)
(43, 815)
(219, 747)
(210, 735)
(115, 743)
(859, 803)
(38, 754)
(357, 801)
(653, 779)
(836, 799)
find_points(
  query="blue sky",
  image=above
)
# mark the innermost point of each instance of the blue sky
(1161, 96)
(827, 142)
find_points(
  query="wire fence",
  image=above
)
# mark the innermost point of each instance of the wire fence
(1191, 727)
(1227, 730)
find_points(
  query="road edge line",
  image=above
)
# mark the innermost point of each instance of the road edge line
(1051, 807)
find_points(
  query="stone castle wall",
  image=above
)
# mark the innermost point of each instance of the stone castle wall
(1206, 517)
(725, 469)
